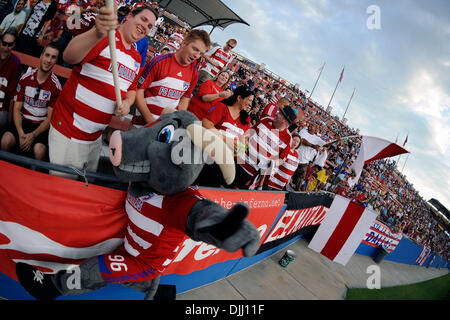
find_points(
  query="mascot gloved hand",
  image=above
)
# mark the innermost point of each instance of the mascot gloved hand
(160, 162)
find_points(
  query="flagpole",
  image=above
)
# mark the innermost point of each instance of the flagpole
(321, 69)
(348, 104)
(335, 89)
(398, 160)
(405, 162)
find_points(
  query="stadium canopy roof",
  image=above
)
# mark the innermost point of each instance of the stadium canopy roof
(202, 12)
(440, 207)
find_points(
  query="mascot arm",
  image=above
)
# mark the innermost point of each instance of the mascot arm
(225, 229)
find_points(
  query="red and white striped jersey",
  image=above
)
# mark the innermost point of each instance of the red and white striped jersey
(284, 172)
(175, 41)
(219, 56)
(266, 143)
(172, 45)
(165, 82)
(270, 110)
(87, 102)
(219, 114)
(157, 225)
(36, 101)
(178, 37)
(275, 97)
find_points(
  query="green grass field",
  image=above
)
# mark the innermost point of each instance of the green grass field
(436, 289)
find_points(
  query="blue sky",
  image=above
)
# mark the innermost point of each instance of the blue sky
(400, 71)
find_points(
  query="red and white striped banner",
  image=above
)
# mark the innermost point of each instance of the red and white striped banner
(342, 230)
(423, 256)
(373, 148)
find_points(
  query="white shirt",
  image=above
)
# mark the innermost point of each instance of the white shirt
(321, 158)
(305, 153)
(13, 20)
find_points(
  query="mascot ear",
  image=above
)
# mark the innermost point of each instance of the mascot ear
(215, 147)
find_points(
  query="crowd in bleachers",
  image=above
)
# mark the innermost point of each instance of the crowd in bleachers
(380, 187)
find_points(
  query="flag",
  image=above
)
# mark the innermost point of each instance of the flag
(372, 149)
(342, 75)
(341, 232)
(423, 256)
(406, 140)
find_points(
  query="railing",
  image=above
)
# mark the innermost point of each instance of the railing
(88, 176)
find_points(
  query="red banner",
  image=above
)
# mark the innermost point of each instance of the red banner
(293, 220)
(54, 223)
(264, 208)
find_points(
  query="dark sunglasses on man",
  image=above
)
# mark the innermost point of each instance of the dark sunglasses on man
(38, 91)
(7, 44)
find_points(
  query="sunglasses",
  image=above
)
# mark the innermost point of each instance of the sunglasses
(230, 46)
(38, 91)
(7, 44)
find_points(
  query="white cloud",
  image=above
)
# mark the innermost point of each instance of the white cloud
(400, 72)
(430, 101)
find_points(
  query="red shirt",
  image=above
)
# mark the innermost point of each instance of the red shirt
(157, 225)
(199, 107)
(85, 22)
(36, 103)
(9, 78)
(220, 115)
(165, 82)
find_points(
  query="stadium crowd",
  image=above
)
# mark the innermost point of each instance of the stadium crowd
(230, 97)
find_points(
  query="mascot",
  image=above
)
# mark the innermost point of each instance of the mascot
(160, 162)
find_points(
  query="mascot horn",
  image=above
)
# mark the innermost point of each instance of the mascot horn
(160, 162)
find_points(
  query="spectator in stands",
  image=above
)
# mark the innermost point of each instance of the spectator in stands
(122, 12)
(307, 151)
(154, 6)
(44, 11)
(10, 69)
(270, 141)
(15, 19)
(278, 179)
(53, 32)
(217, 59)
(80, 18)
(141, 45)
(175, 40)
(228, 119)
(167, 81)
(37, 92)
(150, 54)
(86, 104)
(321, 157)
(6, 7)
(319, 179)
(271, 109)
(209, 93)
(158, 22)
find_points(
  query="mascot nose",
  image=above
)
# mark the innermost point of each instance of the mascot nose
(115, 148)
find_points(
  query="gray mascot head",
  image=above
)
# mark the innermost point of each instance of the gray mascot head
(167, 155)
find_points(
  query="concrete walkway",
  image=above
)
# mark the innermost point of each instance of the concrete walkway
(310, 276)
